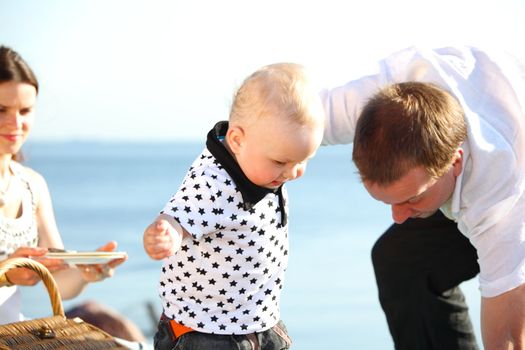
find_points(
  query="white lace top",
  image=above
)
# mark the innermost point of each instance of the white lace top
(15, 233)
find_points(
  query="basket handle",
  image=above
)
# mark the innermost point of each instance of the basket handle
(45, 275)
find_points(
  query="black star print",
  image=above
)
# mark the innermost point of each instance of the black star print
(217, 211)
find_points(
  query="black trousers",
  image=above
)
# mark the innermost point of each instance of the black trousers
(418, 266)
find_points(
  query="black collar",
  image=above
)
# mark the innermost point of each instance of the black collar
(251, 193)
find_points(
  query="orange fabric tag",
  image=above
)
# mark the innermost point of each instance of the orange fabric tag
(179, 329)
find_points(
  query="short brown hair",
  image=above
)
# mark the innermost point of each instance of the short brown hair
(407, 125)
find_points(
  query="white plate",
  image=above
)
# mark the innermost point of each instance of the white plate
(87, 258)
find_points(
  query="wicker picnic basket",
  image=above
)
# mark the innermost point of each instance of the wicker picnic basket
(56, 332)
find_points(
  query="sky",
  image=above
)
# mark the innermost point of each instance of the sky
(159, 70)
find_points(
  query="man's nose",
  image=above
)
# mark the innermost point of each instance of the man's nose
(400, 213)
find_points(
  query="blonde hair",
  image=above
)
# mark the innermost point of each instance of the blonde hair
(407, 125)
(280, 89)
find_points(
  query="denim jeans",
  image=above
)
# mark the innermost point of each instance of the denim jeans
(418, 266)
(275, 338)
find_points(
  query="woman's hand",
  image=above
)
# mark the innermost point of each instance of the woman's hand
(99, 272)
(26, 277)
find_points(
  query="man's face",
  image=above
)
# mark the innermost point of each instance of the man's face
(417, 194)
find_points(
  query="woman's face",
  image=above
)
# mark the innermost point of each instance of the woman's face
(17, 102)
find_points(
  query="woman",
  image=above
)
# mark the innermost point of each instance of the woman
(27, 221)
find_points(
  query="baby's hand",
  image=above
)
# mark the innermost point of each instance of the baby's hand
(161, 239)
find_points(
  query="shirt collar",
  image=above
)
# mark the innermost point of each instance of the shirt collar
(251, 193)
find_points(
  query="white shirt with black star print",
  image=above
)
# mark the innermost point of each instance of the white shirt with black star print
(227, 277)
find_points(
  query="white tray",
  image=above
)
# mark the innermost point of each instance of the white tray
(86, 258)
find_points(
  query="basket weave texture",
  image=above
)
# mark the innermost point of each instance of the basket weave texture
(55, 332)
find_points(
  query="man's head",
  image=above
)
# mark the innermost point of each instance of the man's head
(407, 147)
(276, 124)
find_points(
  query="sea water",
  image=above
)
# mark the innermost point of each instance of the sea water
(112, 191)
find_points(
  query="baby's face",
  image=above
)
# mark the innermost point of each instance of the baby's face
(275, 151)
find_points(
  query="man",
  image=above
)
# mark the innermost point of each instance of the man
(449, 134)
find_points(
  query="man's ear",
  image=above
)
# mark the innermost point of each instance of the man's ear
(458, 162)
(235, 138)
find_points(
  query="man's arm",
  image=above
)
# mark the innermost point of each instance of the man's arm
(503, 320)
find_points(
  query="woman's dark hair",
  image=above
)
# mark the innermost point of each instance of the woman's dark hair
(14, 68)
